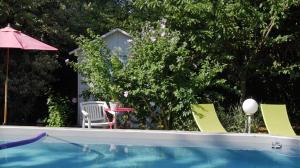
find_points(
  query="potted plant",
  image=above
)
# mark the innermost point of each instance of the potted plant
(113, 104)
(114, 101)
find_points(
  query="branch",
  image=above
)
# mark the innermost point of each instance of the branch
(269, 28)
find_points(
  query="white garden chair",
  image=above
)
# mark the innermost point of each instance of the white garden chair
(94, 114)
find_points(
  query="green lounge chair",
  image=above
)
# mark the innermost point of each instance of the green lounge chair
(277, 120)
(206, 118)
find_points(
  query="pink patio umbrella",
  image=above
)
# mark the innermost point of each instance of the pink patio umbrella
(11, 38)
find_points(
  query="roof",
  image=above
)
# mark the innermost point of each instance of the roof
(115, 31)
(105, 36)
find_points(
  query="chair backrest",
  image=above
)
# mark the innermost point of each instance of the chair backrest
(276, 119)
(206, 118)
(95, 109)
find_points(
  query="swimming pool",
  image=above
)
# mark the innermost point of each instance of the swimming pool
(74, 147)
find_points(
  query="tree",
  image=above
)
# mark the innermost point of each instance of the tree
(30, 78)
(241, 34)
(258, 41)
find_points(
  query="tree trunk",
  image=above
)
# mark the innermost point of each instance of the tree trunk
(165, 120)
(243, 82)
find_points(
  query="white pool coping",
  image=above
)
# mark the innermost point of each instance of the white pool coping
(239, 141)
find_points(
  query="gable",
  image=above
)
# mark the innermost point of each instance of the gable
(118, 42)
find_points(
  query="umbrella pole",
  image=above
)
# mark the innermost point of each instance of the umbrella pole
(5, 88)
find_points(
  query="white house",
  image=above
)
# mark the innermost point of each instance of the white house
(118, 41)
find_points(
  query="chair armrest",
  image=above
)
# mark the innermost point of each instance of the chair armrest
(84, 113)
(105, 114)
(111, 123)
(112, 112)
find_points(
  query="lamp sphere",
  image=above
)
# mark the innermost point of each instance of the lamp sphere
(250, 106)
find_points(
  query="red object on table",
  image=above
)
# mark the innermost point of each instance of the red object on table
(120, 109)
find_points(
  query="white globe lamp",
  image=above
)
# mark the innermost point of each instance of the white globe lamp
(250, 107)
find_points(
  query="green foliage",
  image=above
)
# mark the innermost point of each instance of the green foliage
(234, 119)
(53, 22)
(158, 74)
(59, 111)
(162, 71)
(252, 46)
(30, 77)
(239, 30)
(257, 41)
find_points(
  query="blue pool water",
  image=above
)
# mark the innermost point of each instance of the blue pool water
(72, 155)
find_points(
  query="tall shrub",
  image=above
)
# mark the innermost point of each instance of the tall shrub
(59, 111)
(164, 78)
